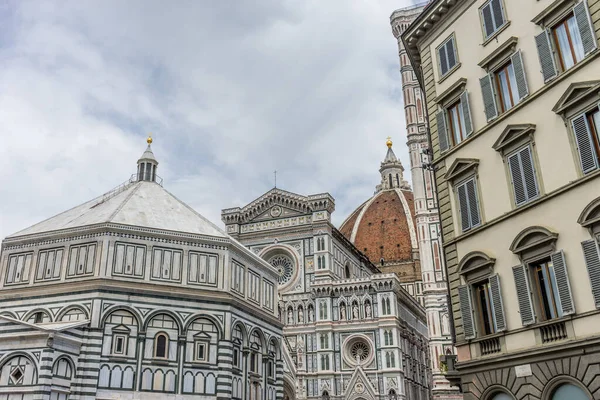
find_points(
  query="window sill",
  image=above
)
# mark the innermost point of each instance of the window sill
(120, 358)
(495, 34)
(160, 361)
(450, 72)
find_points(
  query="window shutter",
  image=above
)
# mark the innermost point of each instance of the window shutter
(443, 60)
(591, 253)
(514, 165)
(466, 310)
(542, 42)
(523, 295)
(488, 22)
(497, 11)
(442, 130)
(451, 53)
(471, 188)
(466, 109)
(582, 16)
(529, 177)
(585, 146)
(562, 282)
(498, 305)
(464, 207)
(489, 97)
(517, 62)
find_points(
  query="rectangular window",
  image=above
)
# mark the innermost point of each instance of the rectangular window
(567, 41)
(507, 86)
(237, 277)
(468, 205)
(253, 287)
(236, 358)
(546, 290)
(268, 290)
(201, 352)
(456, 122)
(447, 56)
(485, 305)
(523, 176)
(492, 15)
(119, 342)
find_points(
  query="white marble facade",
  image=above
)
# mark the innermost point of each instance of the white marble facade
(350, 332)
(133, 295)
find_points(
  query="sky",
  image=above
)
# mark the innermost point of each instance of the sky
(231, 91)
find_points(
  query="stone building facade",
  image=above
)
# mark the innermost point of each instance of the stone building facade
(435, 287)
(133, 295)
(350, 331)
(512, 96)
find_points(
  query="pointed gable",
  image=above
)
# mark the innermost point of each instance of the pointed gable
(277, 203)
(575, 93)
(512, 134)
(460, 166)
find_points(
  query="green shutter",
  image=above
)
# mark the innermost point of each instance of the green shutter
(531, 185)
(523, 295)
(442, 130)
(518, 68)
(584, 24)
(542, 42)
(489, 97)
(583, 136)
(562, 283)
(471, 188)
(497, 303)
(464, 207)
(466, 109)
(514, 165)
(466, 309)
(591, 254)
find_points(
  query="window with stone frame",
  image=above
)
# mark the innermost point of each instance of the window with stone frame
(237, 277)
(463, 177)
(567, 37)
(505, 84)
(493, 17)
(161, 345)
(541, 280)
(454, 122)
(480, 296)
(447, 56)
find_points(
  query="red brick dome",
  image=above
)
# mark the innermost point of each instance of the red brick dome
(384, 226)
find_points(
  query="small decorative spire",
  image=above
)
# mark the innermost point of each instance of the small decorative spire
(389, 142)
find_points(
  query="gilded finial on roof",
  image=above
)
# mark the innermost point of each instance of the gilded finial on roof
(389, 142)
(149, 140)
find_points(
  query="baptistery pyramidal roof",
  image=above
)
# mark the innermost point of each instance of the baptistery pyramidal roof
(383, 226)
(141, 201)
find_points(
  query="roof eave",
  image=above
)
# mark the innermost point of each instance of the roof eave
(423, 24)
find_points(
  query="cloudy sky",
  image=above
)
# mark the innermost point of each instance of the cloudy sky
(231, 90)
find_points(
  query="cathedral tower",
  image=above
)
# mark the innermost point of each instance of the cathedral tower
(426, 211)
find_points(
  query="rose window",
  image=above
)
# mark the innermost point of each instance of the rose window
(360, 351)
(284, 266)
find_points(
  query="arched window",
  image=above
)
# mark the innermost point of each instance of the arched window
(18, 371)
(568, 391)
(397, 180)
(161, 345)
(392, 395)
(390, 179)
(347, 272)
(325, 395)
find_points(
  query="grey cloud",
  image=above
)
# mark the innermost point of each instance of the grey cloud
(231, 90)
